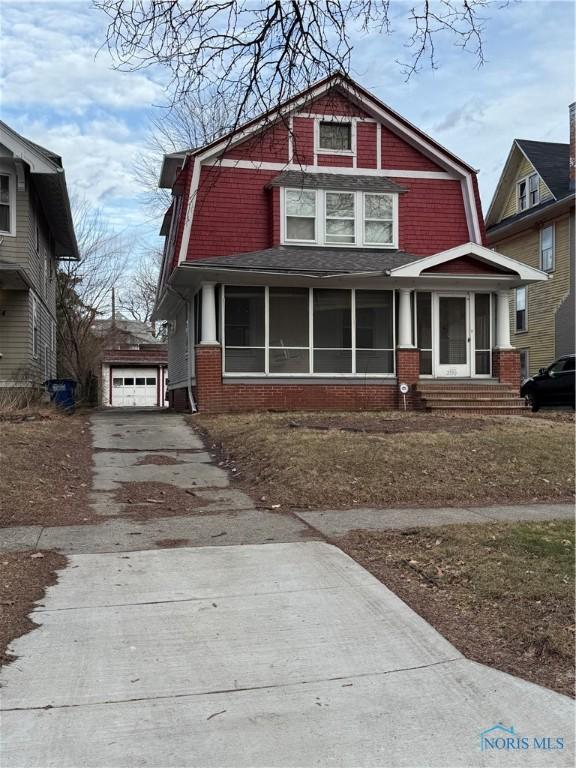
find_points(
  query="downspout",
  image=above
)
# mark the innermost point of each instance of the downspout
(191, 352)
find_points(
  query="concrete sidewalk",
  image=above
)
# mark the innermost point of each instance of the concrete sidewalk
(274, 655)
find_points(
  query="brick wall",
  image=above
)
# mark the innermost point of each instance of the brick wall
(506, 366)
(408, 372)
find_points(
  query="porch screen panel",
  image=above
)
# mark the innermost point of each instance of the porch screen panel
(332, 331)
(453, 339)
(288, 341)
(374, 332)
(424, 331)
(482, 316)
(244, 330)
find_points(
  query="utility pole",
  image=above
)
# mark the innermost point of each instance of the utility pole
(113, 323)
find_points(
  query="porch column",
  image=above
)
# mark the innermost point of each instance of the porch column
(503, 321)
(208, 314)
(404, 320)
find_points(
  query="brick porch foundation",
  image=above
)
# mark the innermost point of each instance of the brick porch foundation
(506, 367)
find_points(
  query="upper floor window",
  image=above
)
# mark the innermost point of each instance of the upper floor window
(528, 191)
(335, 136)
(322, 217)
(521, 300)
(6, 204)
(547, 248)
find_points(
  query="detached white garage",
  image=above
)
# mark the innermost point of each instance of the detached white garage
(127, 383)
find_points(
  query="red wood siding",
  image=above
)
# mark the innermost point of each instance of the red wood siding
(467, 265)
(335, 161)
(303, 133)
(270, 146)
(399, 155)
(233, 212)
(334, 103)
(432, 216)
(366, 145)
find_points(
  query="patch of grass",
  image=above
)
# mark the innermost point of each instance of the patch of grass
(396, 459)
(45, 470)
(502, 593)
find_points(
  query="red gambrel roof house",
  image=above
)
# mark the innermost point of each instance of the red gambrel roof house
(324, 255)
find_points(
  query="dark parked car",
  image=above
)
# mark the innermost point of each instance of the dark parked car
(551, 386)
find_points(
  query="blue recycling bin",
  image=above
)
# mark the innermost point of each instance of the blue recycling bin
(61, 392)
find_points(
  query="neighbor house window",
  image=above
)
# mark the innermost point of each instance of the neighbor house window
(323, 217)
(6, 204)
(291, 331)
(547, 248)
(35, 329)
(301, 214)
(533, 190)
(528, 192)
(334, 136)
(521, 319)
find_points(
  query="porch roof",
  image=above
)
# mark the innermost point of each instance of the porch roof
(290, 259)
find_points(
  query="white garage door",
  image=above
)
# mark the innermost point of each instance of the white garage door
(135, 387)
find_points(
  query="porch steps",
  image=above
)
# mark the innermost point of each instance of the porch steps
(487, 397)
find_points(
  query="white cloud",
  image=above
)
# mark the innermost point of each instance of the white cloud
(55, 60)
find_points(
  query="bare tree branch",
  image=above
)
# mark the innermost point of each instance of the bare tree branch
(251, 56)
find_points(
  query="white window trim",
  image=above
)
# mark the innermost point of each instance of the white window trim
(352, 121)
(526, 179)
(11, 202)
(542, 230)
(310, 375)
(525, 329)
(320, 238)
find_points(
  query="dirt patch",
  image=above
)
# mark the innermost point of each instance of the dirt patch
(158, 459)
(149, 500)
(45, 471)
(172, 543)
(437, 461)
(501, 593)
(24, 577)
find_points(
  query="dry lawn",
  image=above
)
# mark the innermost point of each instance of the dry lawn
(45, 470)
(395, 459)
(503, 593)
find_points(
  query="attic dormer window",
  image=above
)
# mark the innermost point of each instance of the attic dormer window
(528, 190)
(335, 136)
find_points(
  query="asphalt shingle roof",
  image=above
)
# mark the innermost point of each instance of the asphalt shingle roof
(552, 161)
(311, 260)
(300, 179)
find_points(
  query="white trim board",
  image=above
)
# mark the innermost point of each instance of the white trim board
(255, 165)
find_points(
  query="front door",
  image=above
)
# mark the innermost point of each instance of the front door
(452, 335)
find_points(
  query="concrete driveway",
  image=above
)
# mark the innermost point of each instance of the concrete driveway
(277, 654)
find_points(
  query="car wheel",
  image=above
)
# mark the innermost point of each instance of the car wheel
(533, 403)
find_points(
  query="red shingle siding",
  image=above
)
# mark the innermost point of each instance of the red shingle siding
(466, 265)
(366, 145)
(270, 146)
(334, 103)
(303, 138)
(183, 181)
(432, 216)
(401, 156)
(335, 161)
(233, 212)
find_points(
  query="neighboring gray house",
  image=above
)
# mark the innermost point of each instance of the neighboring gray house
(36, 230)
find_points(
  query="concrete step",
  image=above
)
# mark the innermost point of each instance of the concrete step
(463, 387)
(481, 397)
(488, 408)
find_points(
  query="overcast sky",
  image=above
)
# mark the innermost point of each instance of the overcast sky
(60, 90)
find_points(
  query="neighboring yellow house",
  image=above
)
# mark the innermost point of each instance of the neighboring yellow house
(531, 219)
